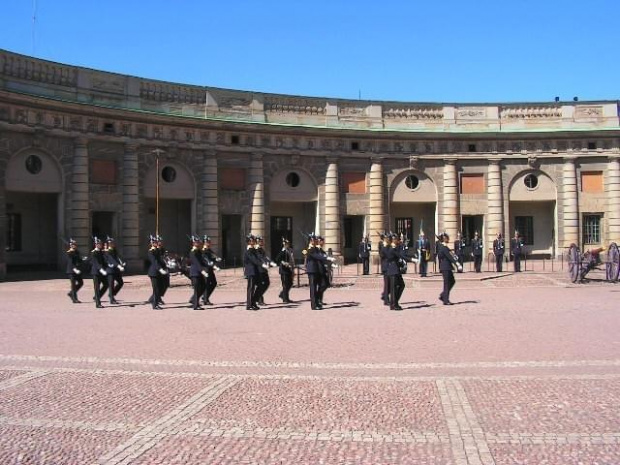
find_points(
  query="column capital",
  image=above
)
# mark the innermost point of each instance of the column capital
(571, 159)
(256, 156)
(331, 159)
(495, 161)
(451, 161)
(614, 157)
(132, 146)
(80, 142)
(377, 160)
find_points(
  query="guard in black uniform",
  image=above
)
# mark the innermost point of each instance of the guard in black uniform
(498, 250)
(516, 248)
(364, 254)
(384, 244)
(459, 250)
(446, 261)
(424, 253)
(115, 269)
(99, 271)
(476, 251)
(286, 262)
(197, 271)
(157, 270)
(316, 270)
(164, 279)
(396, 260)
(212, 261)
(74, 270)
(251, 265)
(263, 272)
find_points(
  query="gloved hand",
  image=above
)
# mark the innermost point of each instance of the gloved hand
(459, 267)
(264, 265)
(218, 259)
(204, 273)
(163, 272)
(76, 271)
(216, 268)
(331, 259)
(272, 264)
(103, 272)
(120, 268)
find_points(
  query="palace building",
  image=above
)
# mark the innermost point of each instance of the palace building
(86, 152)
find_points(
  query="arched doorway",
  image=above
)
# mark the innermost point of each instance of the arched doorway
(292, 208)
(413, 205)
(533, 211)
(177, 193)
(34, 216)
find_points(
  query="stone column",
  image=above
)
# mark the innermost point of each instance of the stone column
(130, 224)
(210, 223)
(450, 209)
(332, 208)
(377, 209)
(495, 203)
(570, 203)
(257, 196)
(613, 200)
(80, 197)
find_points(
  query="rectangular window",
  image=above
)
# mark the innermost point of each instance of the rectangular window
(591, 229)
(405, 226)
(525, 226)
(232, 179)
(103, 171)
(472, 184)
(14, 232)
(354, 183)
(592, 181)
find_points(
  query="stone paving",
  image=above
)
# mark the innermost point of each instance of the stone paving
(524, 369)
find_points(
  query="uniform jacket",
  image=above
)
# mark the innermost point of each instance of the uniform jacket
(476, 247)
(364, 249)
(316, 261)
(499, 246)
(99, 262)
(286, 260)
(446, 259)
(251, 262)
(156, 262)
(113, 260)
(73, 260)
(209, 258)
(459, 247)
(262, 256)
(516, 246)
(197, 263)
(394, 257)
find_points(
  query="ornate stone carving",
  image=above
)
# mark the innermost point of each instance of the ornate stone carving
(39, 116)
(107, 83)
(91, 125)
(399, 146)
(577, 145)
(516, 146)
(546, 146)
(158, 132)
(279, 142)
(350, 110)
(368, 146)
(471, 113)
(588, 112)
(142, 130)
(414, 112)
(204, 136)
(220, 138)
(428, 147)
(310, 144)
(35, 70)
(21, 116)
(326, 144)
(57, 121)
(293, 105)
(414, 162)
(125, 129)
(531, 112)
(533, 162)
(265, 141)
(562, 145)
(487, 147)
(173, 134)
(530, 146)
(250, 140)
(163, 92)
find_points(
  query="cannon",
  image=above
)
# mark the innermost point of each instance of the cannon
(579, 265)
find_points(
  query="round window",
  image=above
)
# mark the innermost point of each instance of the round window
(292, 179)
(169, 174)
(412, 182)
(34, 164)
(531, 181)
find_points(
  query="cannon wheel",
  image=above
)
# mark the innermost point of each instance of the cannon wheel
(574, 263)
(613, 263)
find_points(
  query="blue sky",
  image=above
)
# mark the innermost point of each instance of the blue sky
(416, 50)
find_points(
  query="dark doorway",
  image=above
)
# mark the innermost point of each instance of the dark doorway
(232, 240)
(175, 223)
(404, 226)
(471, 224)
(353, 232)
(103, 225)
(281, 227)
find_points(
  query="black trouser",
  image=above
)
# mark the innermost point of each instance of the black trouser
(210, 285)
(156, 295)
(314, 280)
(164, 284)
(386, 289)
(448, 284)
(477, 263)
(286, 278)
(251, 292)
(366, 265)
(517, 262)
(262, 285)
(461, 260)
(100, 283)
(397, 286)
(198, 283)
(322, 284)
(113, 289)
(76, 284)
(423, 264)
(499, 262)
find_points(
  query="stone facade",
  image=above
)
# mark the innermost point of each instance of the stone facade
(78, 156)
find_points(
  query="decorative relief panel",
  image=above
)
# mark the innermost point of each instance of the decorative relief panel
(350, 110)
(588, 112)
(142, 130)
(36, 70)
(531, 112)
(107, 83)
(290, 105)
(163, 92)
(412, 112)
(471, 113)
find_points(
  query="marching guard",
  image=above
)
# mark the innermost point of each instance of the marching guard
(211, 260)
(446, 262)
(516, 248)
(157, 272)
(251, 265)
(74, 271)
(476, 251)
(498, 251)
(396, 263)
(164, 279)
(115, 269)
(317, 272)
(364, 254)
(459, 250)
(286, 263)
(99, 271)
(384, 244)
(197, 271)
(263, 271)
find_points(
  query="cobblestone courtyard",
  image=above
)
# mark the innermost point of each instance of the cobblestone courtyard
(523, 369)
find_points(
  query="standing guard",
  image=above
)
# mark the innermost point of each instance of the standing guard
(364, 254)
(384, 245)
(157, 270)
(424, 253)
(115, 269)
(286, 261)
(516, 248)
(396, 261)
(251, 264)
(74, 270)
(197, 271)
(498, 251)
(316, 270)
(476, 251)
(211, 260)
(459, 250)
(446, 262)
(99, 271)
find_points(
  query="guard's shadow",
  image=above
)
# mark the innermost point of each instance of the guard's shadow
(462, 302)
(341, 305)
(415, 307)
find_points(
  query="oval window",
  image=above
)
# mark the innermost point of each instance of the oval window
(169, 174)
(531, 181)
(34, 164)
(292, 179)
(412, 182)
